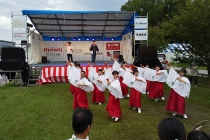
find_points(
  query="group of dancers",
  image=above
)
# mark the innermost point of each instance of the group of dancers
(117, 79)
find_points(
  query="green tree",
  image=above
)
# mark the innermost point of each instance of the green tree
(158, 10)
(192, 26)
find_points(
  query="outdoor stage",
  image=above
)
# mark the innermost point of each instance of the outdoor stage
(58, 72)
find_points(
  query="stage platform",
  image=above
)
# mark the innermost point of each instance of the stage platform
(58, 72)
(82, 63)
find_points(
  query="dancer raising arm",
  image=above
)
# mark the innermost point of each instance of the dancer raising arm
(99, 88)
(180, 89)
(115, 93)
(121, 69)
(80, 96)
(156, 77)
(138, 87)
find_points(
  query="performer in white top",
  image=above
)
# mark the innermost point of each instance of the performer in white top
(82, 86)
(69, 51)
(99, 88)
(74, 71)
(115, 93)
(180, 89)
(122, 69)
(141, 70)
(157, 78)
(138, 88)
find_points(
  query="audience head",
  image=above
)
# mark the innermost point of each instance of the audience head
(171, 129)
(197, 135)
(81, 121)
(69, 43)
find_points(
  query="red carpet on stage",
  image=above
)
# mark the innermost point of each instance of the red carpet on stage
(59, 74)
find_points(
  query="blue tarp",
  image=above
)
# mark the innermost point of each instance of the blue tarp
(44, 12)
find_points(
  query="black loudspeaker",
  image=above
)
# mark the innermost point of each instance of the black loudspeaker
(120, 58)
(44, 59)
(147, 55)
(11, 54)
(13, 58)
(11, 65)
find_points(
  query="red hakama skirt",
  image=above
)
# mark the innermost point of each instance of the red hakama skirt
(72, 87)
(148, 85)
(123, 86)
(98, 96)
(155, 90)
(113, 106)
(176, 103)
(80, 98)
(135, 98)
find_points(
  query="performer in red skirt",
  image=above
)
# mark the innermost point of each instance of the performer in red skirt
(82, 86)
(115, 93)
(121, 69)
(138, 88)
(74, 71)
(156, 83)
(148, 82)
(180, 89)
(99, 88)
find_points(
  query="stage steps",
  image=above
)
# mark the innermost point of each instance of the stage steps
(34, 75)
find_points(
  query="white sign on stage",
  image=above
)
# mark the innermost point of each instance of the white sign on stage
(141, 23)
(19, 34)
(19, 22)
(141, 34)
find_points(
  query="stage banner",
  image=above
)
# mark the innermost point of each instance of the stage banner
(112, 50)
(19, 34)
(19, 22)
(78, 51)
(141, 34)
(141, 23)
(87, 52)
(54, 50)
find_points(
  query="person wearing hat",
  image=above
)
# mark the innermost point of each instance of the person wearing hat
(194, 73)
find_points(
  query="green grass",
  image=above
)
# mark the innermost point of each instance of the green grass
(183, 65)
(44, 113)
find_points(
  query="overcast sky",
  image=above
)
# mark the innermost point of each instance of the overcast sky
(80, 5)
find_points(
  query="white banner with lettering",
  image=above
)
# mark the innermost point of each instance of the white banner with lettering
(141, 23)
(19, 34)
(19, 22)
(56, 51)
(141, 34)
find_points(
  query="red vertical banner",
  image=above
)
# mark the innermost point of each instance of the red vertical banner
(112, 46)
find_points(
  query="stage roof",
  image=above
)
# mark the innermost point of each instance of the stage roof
(54, 23)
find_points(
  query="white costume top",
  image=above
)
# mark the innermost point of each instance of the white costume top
(99, 85)
(179, 87)
(130, 80)
(74, 74)
(94, 77)
(75, 138)
(140, 85)
(151, 75)
(141, 71)
(115, 89)
(89, 86)
(107, 75)
(116, 66)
